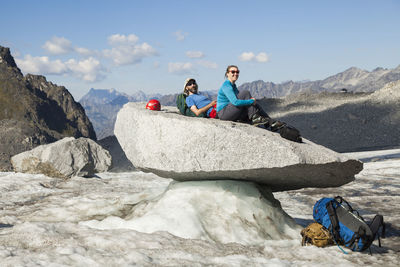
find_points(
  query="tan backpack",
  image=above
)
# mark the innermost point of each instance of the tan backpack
(317, 235)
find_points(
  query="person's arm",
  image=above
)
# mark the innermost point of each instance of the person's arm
(230, 94)
(203, 109)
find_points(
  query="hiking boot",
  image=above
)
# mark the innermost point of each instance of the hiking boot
(259, 120)
(276, 125)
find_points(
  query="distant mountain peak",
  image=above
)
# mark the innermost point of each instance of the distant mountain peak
(288, 82)
(378, 69)
(353, 79)
(353, 70)
(5, 56)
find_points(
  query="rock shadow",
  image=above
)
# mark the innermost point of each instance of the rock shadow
(350, 127)
(120, 163)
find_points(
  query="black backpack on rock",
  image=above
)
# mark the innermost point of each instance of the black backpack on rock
(288, 132)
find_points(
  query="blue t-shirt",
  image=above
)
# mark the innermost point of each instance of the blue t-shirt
(200, 101)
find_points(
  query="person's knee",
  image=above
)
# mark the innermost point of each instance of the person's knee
(244, 94)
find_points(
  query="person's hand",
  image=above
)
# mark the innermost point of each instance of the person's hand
(213, 102)
(254, 103)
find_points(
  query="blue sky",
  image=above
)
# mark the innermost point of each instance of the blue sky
(154, 45)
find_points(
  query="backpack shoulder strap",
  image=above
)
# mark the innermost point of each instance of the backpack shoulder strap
(341, 200)
(377, 223)
(334, 221)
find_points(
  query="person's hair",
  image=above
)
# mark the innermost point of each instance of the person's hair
(227, 69)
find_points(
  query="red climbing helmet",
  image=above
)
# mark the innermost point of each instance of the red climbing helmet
(153, 104)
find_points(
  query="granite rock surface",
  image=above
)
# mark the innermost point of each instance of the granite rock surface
(65, 158)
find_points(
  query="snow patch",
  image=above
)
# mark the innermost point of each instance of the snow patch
(223, 211)
(41, 222)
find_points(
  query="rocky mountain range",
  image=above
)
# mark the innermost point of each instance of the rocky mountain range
(344, 122)
(352, 79)
(102, 106)
(34, 111)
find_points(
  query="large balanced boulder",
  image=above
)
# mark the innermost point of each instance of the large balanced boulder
(186, 148)
(65, 158)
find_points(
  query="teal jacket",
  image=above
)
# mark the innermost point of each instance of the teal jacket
(228, 94)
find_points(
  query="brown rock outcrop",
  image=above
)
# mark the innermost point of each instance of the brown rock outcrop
(34, 111)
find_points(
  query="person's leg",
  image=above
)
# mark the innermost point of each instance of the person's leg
(251, 110)
(255, 113)
(232, 113)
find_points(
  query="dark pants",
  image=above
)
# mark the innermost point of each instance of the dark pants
(241, 113)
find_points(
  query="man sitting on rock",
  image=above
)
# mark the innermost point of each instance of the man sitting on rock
(197, 103)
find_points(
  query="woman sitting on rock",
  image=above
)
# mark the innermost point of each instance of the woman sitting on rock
(197, 103)
(233, 105)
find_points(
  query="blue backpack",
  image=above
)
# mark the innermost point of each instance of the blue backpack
(346, 225)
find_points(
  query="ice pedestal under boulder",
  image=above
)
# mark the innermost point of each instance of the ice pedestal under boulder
(186, 148)
(65, 158)
(222, 211)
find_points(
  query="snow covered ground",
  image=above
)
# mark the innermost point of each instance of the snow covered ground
(85, 222)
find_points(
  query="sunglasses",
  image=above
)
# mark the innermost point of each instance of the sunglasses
(234, 71)
(190, 83)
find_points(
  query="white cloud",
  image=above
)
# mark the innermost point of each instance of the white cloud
(61, 45)
(261, 57)
(120, 39)
(194, 54)
(180, 36)
(83, 51)
(58, 46)
(89, 69)
(180, 67)
(207, 64)
(126, 50)
(41, 65)
(246, 56)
